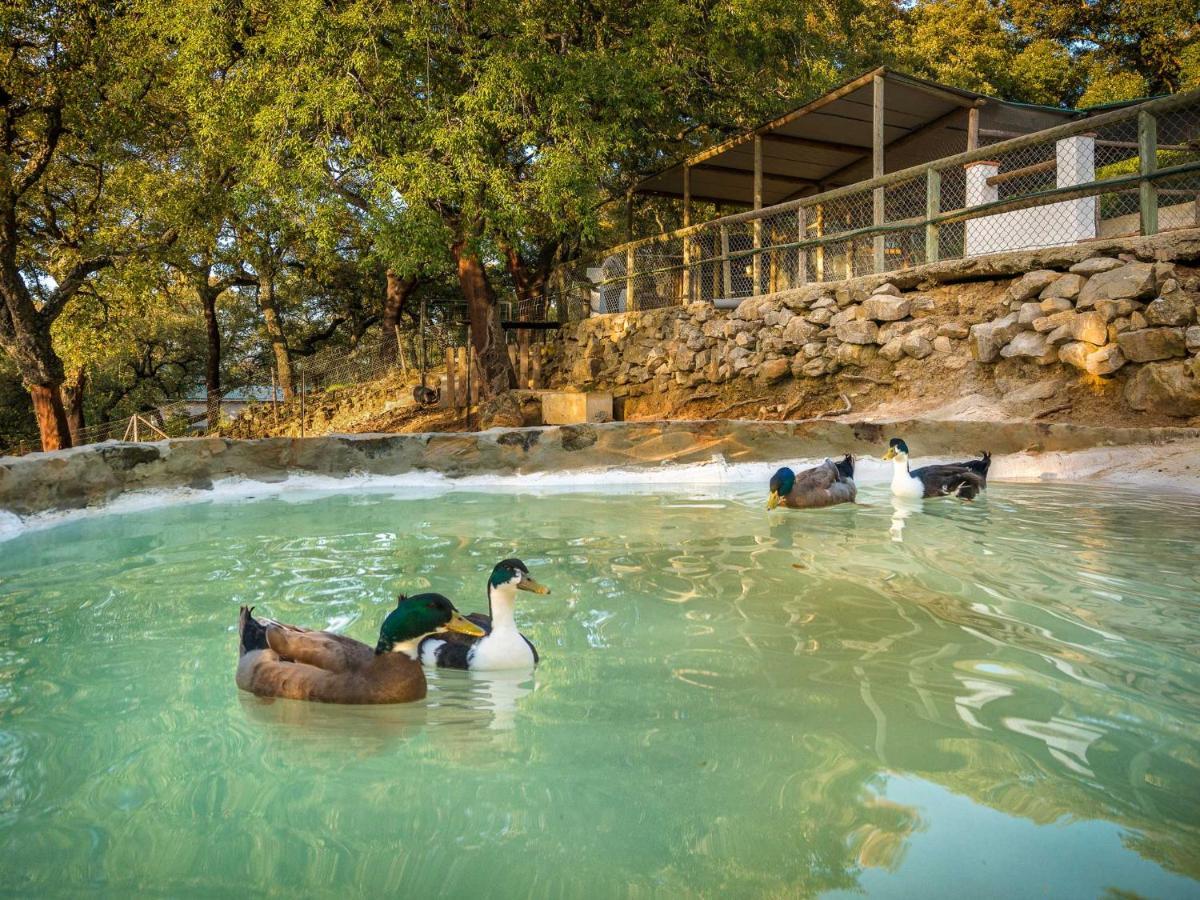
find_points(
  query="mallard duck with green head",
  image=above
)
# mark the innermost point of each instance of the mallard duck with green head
(825, 485)
(278, 660)
(501, 645)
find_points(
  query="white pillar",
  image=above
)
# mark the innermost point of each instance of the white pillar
(979, 192)
(1076, 158)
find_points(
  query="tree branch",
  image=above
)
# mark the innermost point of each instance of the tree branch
(70, 285)
(41, 158)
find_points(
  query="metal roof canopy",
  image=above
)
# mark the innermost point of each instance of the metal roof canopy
(831, 141)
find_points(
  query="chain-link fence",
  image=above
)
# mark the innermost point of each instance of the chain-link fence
(1126, 172)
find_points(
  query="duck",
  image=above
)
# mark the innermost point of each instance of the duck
(963, 479)
(825, 485)
(294, 663)
(501, 645)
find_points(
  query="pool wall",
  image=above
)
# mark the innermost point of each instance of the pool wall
(98, 473)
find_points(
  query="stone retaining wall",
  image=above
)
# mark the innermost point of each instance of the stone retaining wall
(1123, 311)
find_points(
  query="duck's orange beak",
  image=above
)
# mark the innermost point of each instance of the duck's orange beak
(529, 583)
(773, 500)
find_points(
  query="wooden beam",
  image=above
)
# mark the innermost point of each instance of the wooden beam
(935, 91)
(687, 196)
(1147, 165)
(877, 150)
(748, 173)
(758, 180)
(696, 198)
(973, 128)
(813, 143)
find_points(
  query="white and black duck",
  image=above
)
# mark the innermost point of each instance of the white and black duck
(825, 485)
(501, 646)
(963, 479)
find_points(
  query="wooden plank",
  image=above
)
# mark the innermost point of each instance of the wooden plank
(973, 128)
(1147, 165)
(687, 196)
(687, 221)
(749, 173)
(877, 148)
(451, 376)
(814, 143)
(933, 203)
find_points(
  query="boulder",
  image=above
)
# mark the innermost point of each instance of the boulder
(1028, 312)
(1076, 354)
(798, 332)
(893, 349)
(942, 344)
(1065, 288)
(856, 354)
(916, 346)
(1032, 345)
(813, 349)
(1057, 320)
(1192, 338)
(987, 338)
(1133, 281)
(1096, 265)
(1106, 360)
(921, 304)
(885, 308)
(814, 368)
(1150, 344)
(858, 331)
(1052, 305)
(1168, 388)
(887, 289)
(774, 369)
(1112, 309)
(820, 316)
(1090, 327)
(1032, 283)
(1175, 308)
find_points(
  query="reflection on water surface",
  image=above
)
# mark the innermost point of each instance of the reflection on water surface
(999, 698)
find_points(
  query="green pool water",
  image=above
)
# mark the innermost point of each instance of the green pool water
(999, 699)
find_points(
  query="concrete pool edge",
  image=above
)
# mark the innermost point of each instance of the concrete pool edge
(96, 474)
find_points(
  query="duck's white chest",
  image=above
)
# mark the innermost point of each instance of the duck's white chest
(501, 650)
(904, 485)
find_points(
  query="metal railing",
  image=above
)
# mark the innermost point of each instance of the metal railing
(1130, 171)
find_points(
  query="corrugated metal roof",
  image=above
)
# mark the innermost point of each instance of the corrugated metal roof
(826, 142)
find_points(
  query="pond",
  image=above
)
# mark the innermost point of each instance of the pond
(991, 699)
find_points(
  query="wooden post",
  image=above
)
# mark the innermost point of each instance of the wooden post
(820, 263)
(421, 338)
(726, 270)
(1148, 165)
(629, 215)
(973, 128)
(630, 300)
(274, 399)
(756, 265)
(877, 137)
(687, 221)
(536, 369)
(472, 382)
(523, 367)
(451, 387)
(802, 253)
(933, 205)
(400, 350)
(303, 391)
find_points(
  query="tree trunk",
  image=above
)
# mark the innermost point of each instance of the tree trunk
(212, 363)
(487, 337)
(51, 417)
(279, 347)
(72, 398)
(398, 291)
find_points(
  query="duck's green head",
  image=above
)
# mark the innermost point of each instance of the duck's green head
(514, 573)
(897, 449)
(781, 485)
(419, 615)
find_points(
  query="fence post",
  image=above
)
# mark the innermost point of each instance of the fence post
(303, 392)
(1148, 165)
(451, 387)
(933, 206)
(802, 253)
(630, 259)
(726, 269)
(756, 264)
(686, 286)
(878, 197)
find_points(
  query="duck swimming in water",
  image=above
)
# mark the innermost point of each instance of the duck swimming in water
(825, 485)
(287, 661)
(964, 479)
(501, 646)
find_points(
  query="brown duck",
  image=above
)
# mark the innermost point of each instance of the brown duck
(825, 485)
(296, 663)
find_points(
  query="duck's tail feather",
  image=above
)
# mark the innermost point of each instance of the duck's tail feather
(846, 466)
(253, 634)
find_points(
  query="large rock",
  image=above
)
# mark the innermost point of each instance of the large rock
(1106, 360)
(887, 289)
(774, 369)
(1076, 354)
(1032, 345)
(1028, 313)
(1133, 281)
(798, 332)
(858, 331)
(1096, 265)
(893, 349)
(988, 337)
(1176, 308)
(1150, 344)
(1032, 283)
(955, 330)
(1114, 309)
(1066, 288)
(1168, 388)
(820, 316)
(1056, 320)
(1192, 338)
(885, 308)
(1052, 305)
(1090, 327)
(856, 354)
(916, 345)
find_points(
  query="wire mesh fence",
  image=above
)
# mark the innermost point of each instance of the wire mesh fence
(1125, 172)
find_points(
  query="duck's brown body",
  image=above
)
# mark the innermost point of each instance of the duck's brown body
(298, 664)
